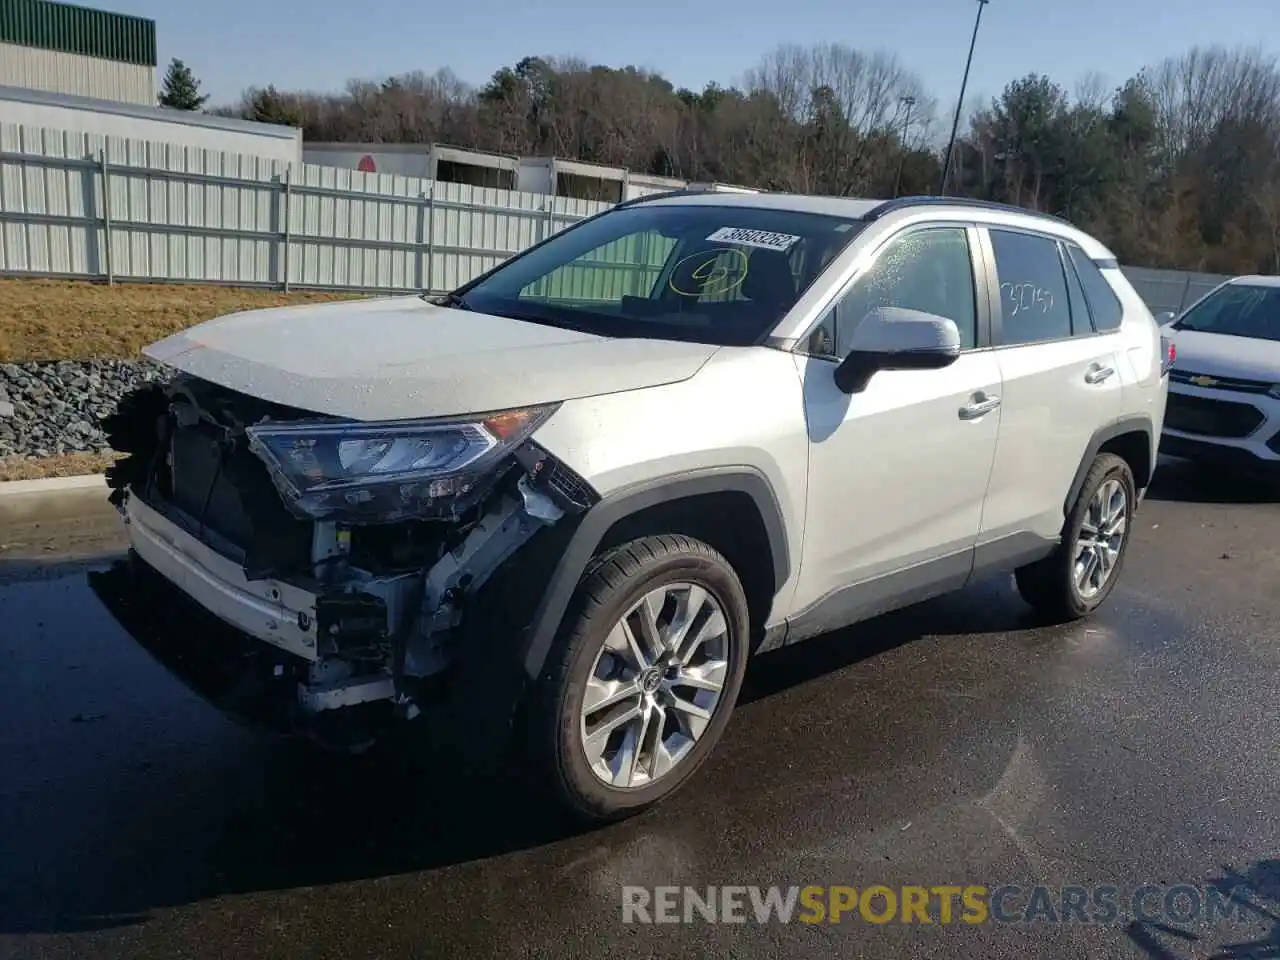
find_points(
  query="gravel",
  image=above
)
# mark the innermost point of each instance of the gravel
(52, 408)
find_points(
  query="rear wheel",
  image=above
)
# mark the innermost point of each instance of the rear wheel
(643, 677)
(1076, 579)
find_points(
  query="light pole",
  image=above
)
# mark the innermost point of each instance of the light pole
(907, 102)
(964, 82)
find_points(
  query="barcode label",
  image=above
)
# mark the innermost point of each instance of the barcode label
(763, 239)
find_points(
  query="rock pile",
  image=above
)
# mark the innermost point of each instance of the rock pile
(55, 407)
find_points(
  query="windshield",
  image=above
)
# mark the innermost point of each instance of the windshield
(712, 274)
(1237, 310)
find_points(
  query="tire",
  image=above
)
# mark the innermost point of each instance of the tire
(1050, 585)
(613, 585)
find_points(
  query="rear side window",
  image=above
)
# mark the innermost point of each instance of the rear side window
(1080, 322)
(1103, 302)
(1034, 302)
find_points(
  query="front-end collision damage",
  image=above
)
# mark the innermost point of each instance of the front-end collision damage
(395, 559)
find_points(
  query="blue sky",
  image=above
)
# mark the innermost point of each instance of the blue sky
(319, 44)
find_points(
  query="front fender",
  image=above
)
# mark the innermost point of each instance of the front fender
(596, 523)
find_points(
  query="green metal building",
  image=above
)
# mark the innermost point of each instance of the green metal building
(69, 49)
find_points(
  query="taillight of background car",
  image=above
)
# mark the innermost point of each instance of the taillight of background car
(1168, 353)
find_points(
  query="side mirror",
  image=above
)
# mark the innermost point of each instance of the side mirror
(1165, 317)
(893, 338)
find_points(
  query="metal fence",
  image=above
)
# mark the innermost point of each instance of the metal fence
(1171, 290)
(88, 206)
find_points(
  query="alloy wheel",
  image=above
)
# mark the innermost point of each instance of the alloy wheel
(655, 685)
(1101, 538)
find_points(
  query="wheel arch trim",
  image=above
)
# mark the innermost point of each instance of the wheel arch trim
(1100, 438)
(597, 521)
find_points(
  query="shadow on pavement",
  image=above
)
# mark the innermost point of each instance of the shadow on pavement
(1187, 482)
(990, 606)
(26, 569)
(248, 814)
(1253, 896)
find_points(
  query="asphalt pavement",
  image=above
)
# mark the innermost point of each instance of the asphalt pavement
(955, 743)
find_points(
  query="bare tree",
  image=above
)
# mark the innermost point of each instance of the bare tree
(1180, 166)
(842, 97)
(1092, 91)
(1195, 92)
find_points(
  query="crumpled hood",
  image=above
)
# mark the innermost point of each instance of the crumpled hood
(401, 358)
(1217, 355)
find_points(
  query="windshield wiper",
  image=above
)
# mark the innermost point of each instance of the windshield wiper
(453, 300)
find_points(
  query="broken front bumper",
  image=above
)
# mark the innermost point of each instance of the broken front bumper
(268, 610)
(272, 611)
(193, 611)
(327, 615)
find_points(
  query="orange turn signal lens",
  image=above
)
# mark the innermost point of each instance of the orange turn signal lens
(503, 425)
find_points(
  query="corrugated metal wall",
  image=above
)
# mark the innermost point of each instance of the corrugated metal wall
(627, 267)
(75, 29)
(40, 115)
(183, 214)
(77, 74)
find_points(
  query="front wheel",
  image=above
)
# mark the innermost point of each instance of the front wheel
(1075, 580)
(643, 677)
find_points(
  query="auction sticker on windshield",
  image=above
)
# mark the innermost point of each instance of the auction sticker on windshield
(763, 239)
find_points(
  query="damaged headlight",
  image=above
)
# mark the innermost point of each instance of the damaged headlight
(388, 471)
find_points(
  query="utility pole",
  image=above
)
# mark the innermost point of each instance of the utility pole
(964, 82)
(907, 102)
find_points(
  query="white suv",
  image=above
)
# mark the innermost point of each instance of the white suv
(1224, 404)
(562, 507)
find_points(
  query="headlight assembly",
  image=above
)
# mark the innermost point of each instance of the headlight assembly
(380, 472)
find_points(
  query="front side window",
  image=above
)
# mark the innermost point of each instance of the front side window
(1034, 302)
(928, 270)
(1237, 310)
(712, 274)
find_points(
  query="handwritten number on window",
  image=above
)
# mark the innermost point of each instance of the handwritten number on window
(1025, 297)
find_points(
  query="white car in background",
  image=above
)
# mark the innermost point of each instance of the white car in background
(1224, 390)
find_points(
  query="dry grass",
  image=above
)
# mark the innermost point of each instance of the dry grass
(78, 320)
(61, 465)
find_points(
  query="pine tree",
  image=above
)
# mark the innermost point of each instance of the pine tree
(271, 106)
(181, 88)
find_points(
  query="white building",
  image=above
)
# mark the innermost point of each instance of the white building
(588, 181)
(68, 49)
(35, 109)
(551, 176)
(426, 161)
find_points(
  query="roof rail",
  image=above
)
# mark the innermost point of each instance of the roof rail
(905, 203)
(715, 186)
(654, 196)
(691, 190)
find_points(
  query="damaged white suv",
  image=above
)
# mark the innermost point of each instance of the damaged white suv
(558, 510)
